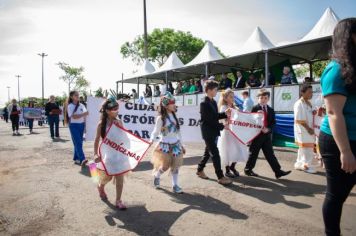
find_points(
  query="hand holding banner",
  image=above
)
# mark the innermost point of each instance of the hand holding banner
(121, 151)
(246, 126)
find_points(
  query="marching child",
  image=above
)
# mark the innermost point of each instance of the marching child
(231, 150)
(168, 154)
(210, 129)
(264, 139)
(109, 112)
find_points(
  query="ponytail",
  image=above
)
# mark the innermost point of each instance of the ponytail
(65, 106)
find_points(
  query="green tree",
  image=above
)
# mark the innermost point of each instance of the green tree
(318, 68)
(73, 76)
(161, 43)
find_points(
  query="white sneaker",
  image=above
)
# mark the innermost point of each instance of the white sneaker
(298, 167)
(310, 170)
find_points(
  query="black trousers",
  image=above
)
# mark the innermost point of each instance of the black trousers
(53, 121)
(338, 183)
(264, 142)
(211, 150)
(6, 118)
(15, 122)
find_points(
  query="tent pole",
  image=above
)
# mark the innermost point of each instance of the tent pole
(311, 70)
(167, 79)
(122, 82)
(266, 69)
(206, 70)
(117, 88)
(138, 86)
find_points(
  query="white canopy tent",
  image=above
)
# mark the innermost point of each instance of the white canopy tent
(200, 64)
(324, 27)
(256, 53)
(258, 41)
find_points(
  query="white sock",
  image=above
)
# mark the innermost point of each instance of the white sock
(175, 178)
(159, 173)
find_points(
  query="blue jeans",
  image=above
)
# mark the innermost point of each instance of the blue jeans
(53, 121)
(76, 131)
(30, 124)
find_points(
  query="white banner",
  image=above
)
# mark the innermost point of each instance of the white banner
(317, 99)
(121, 151)
(246, 126)
(254, 92)
(285, 97)
(140, 119)
(317, 121)
(190, 100)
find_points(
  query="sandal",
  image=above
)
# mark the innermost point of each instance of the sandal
(84, 162)
(120, 205)
(102, 193)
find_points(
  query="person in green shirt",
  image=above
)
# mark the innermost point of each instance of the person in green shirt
(186, 87)
(192, 88)
(337, 139)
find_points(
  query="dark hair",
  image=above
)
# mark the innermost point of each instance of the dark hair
(245, 93)
(104, 117)
(157, 87)
(305, 87)
(210, 85)
(308, 80)
(263, 92)
(164, 114)
(344, 51)
(68, 101)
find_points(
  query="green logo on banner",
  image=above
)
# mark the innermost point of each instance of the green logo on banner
(286, 96)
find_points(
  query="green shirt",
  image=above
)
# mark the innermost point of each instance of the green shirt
(332, 83)
(185, 89)
(192, 89)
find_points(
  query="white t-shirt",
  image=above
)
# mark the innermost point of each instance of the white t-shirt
(81, 109)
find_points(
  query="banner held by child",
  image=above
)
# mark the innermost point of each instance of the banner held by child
(121, 151)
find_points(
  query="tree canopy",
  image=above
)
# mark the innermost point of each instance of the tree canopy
(161, 43)
(73, 75)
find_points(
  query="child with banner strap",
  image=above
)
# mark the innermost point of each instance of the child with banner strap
(230, 148)
(109, 110)
(168, 154)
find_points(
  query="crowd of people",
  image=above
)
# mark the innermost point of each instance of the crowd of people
(336, 143)
(195, 86)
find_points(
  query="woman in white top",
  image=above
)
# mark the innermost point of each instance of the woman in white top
(231, 149)
(75, 117)
(168, 154)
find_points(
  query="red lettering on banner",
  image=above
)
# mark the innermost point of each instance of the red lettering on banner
(120, 148)
(244, 124)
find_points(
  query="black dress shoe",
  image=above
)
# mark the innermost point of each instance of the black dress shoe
(250, 173)
(282, 173)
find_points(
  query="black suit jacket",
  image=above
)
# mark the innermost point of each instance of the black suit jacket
(271, 116)
(242, 83)
(210, 126)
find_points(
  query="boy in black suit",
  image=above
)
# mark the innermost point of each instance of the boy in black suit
(264, 140)
(210, 129)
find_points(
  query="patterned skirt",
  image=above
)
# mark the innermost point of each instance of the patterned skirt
(167, 156)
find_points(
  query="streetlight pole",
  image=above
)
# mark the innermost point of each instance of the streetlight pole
(42, 55)
(145, 28)
(8, 93)
(18, 87)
